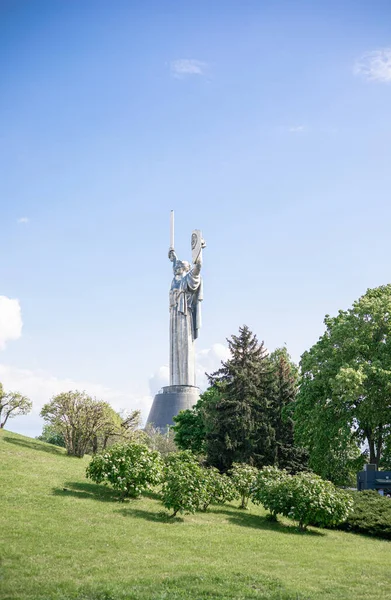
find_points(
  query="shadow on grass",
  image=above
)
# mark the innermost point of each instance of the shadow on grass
(151, 494)
(90, 491)
(31, 445)
(245, 519)
(156, 517)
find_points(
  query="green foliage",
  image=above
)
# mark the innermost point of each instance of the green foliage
(288, 455)
(345, 389)
(371, 514)
(268, 490)
(80, 419)
(246, 414)
(129, 468)
(304, 497)
(51, 435)
(12, 404)
(79, 543)
(243, 477)
(183, 487)
(218, 488)
(239, 427)
(191, 425)
(156, 440)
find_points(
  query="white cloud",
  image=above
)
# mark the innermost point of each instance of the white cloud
(296, 129)
(375, 66)
(207, 361)
(10, 320)
(159, 379)
(23, 220)
(40, 387)
(184, 67)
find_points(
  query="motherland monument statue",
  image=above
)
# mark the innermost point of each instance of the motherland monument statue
(185, 321)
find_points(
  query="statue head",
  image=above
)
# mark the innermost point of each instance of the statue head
(181, 268)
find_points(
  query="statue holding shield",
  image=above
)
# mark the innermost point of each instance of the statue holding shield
(185, 299)
(185, 313)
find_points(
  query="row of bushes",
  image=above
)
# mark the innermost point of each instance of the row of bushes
(186, 486)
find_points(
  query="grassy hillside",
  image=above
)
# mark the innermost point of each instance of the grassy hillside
(65, 538)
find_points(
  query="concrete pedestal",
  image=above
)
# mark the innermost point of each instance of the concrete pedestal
(169, 401)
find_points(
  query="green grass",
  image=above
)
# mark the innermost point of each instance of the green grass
(65, 538)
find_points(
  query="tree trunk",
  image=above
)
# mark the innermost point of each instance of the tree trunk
(373, 460)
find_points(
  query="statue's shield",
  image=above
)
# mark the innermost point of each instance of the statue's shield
(196, 244)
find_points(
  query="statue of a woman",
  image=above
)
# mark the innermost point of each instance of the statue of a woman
(185, 318)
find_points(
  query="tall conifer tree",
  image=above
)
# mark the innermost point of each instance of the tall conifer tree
(288, 456)
(239, 424)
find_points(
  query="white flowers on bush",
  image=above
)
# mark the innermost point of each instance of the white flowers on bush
(243, 477)
(304, 497)
(129, 468)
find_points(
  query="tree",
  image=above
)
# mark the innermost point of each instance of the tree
(109, 429)
(191, 425)
(239, 427)
(78, 417)
(288, 455)
(345, 389)
(129, 468)
(51, 435)
(12, 404)
(156, 440)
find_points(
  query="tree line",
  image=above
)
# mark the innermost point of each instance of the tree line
(330, 414)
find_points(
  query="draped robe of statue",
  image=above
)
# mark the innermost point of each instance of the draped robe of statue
(185, 321)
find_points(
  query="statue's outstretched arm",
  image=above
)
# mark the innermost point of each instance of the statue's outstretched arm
(172, 255)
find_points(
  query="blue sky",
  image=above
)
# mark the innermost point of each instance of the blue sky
(265, 124)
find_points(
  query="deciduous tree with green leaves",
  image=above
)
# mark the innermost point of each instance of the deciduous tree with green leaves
(344, 399)
(192, 425)
(12, 404)
(79, 418)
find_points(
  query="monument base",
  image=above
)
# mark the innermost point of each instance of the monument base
(169, 401)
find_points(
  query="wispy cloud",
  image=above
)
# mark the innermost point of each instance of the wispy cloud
(375, 66)
(23, 220)
(40, 386)
(296, 129)
(185, 67)
(10, 320)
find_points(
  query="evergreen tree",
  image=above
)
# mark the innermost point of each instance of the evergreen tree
(288, 456)
(238, 426)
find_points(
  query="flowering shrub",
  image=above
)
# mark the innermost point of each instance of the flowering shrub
(218, 488)
(129, 468)
(183, 483)
(243, 477)
(304, 497)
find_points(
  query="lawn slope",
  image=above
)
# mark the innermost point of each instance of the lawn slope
(64, 538)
